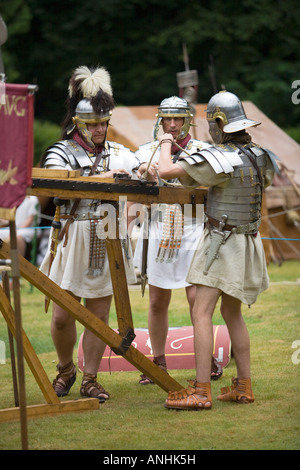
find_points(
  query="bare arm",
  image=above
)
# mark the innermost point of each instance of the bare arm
(166, 168)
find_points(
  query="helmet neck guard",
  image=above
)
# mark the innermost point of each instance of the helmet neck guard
(228, 108)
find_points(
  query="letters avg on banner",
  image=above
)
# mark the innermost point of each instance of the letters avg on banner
(16, 147)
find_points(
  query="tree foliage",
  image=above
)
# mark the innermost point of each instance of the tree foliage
(253, 46)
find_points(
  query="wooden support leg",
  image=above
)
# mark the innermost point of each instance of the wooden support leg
(29, 353)
(18, 332)
(121, 294)
(88, 319)
(5, 282)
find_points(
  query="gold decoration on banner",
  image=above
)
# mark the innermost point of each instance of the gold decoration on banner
(7, 176)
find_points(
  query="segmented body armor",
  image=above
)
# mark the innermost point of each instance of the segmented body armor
(240, 196)
(70, 154)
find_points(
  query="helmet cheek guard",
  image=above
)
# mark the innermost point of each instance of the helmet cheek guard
(84, 115)
(156, 127)
(215, 132)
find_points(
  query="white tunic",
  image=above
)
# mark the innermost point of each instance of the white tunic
(70, 265)
(168, 269)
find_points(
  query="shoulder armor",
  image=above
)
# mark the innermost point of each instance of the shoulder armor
(69, 152)
(273, 159)
(119, 150)
(195, 145)
(261, 152)
(145, 151)
(55, 155)
(116, 146)
(222, 158)
(149, 146)
(53, 160)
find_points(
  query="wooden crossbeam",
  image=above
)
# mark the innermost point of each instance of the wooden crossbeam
(38, 411)
(55, 183)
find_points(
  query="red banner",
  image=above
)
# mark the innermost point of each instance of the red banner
(16, 143)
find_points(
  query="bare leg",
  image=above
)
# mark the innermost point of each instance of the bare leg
(63, 330)
(93, 347)
(191, 295)
(231, 312)
(64, 335)
(205, 302)
(158, 318)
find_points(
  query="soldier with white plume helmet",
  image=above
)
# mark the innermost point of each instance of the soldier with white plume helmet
(80, 263)
(230, 261)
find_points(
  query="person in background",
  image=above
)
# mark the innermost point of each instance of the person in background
(27, 221)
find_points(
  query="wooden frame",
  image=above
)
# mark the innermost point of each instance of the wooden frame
(119, 342)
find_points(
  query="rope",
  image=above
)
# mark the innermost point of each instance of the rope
(144, 175)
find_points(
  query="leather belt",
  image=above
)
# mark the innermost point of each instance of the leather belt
(250, 228)
(83, 216)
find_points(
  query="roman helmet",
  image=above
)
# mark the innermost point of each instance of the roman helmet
(90, 93)
(227, 107)
(174, 107)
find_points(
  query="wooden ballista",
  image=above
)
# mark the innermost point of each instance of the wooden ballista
(69, 185)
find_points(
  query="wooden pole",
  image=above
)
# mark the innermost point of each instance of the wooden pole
(18, 321)
(5, 282)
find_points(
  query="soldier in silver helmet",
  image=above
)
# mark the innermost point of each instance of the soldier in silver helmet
(79, 263)
(230, 262)
(172, 235)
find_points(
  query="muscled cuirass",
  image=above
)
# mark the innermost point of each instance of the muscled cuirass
(240, 196)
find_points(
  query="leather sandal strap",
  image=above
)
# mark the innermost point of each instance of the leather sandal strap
(91, 388)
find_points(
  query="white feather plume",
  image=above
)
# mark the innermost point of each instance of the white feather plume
(91, 82)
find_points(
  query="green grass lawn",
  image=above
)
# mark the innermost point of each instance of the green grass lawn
(135, 419)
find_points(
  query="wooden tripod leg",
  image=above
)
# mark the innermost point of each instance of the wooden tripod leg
(29, 353)
(120, 288)
(19, 340)
(5, 282)
(90, 321)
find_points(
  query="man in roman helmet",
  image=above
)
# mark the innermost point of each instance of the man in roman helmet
(230, 262)
(80, 265)
(173, 235)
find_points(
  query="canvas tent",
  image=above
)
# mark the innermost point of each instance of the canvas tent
(133, 126)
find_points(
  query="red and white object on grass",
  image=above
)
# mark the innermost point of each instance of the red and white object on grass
(179, 349)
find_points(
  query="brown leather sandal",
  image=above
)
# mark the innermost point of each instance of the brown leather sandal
(160, 361)
(90, 388)
(216, 369)
(196, 397)
(240, 391)
(65, 379)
